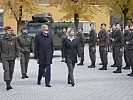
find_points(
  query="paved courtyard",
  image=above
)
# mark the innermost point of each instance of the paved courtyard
(91, 84)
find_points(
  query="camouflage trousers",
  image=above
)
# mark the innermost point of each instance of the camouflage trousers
(8, 67)
(24, 62)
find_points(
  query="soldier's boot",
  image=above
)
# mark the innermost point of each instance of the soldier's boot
(118, 70)
(8, 86)
(92, 65)
(24, 76)
(68, 82)
(114, 65)
(131, 74)
(126, 67)
(103, 68)
(100, 64)
(81, 63)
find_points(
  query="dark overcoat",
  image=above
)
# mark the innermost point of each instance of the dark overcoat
(44, 48)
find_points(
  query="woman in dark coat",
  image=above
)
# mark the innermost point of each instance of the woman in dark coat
(70, 51)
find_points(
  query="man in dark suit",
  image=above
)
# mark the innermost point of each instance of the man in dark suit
(44, 54)
(70, 51)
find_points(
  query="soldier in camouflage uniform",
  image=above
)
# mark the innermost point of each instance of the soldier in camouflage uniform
(62, 35)
(92, 45)
(129, 43)
(103, 39)
(117, 40)
(81, 40)
(26, 45)
(126, 51)
(113, 48)
(9, 50)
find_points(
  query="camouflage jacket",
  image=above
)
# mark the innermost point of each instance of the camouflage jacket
(92, 38)
(103, 38)
(26, 43)
(9, 48)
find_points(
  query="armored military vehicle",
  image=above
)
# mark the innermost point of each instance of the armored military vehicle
(38, 20)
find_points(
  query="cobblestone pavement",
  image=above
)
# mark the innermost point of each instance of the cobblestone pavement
(91, 84)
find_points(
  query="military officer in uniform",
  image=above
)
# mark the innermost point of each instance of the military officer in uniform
(81, 42)
(130, 49)
(117, 40)
(103, 39)
(113, 48)
(26, 45)
(9, 50)
(126, 51)
(92, 45)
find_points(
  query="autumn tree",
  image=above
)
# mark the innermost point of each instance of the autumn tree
(76, 9)
(16, 8)
(120, 8)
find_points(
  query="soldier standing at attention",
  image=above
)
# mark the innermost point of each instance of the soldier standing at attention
(126, 51)
(62, 36)
(130, 49)
(103, 43)
(9, 50)
(113, 48)
(117, 40)
(81, 41)
(26, 45)
(92, 45)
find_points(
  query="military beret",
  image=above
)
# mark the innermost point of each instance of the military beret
(7, 27)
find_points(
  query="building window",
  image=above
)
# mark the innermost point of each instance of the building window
(1, 22)
(85, 26)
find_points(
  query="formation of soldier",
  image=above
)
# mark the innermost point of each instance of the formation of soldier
(20, 47)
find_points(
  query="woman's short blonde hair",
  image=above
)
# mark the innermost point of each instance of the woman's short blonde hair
(69, 30)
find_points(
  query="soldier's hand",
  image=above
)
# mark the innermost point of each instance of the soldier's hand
(121, 50)
(97, 39)
(127, 42)
(113, 40)
(37, 60)
(105, 49)
(93, 48)
(64, 59)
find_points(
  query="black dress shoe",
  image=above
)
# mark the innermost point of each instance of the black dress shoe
(131, 74)
(100, 64)
(26, 76)
(73, 84)
(103, 68)
(126, 67)
(8, 88)
(117, 71)
(91, 66)
(114, 65)
(80, 63)
(48, 85)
